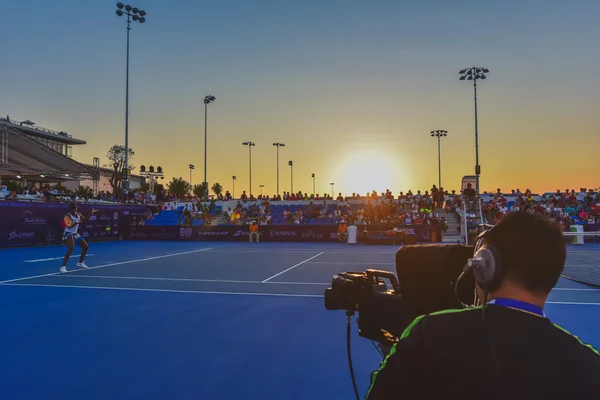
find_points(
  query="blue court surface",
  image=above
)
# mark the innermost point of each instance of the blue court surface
(181, 320)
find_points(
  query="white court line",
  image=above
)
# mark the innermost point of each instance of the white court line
(349, 263)
(146, 278)
(54, 258)
(149, 278)
(292, 267)
(229, 293)
(166, 290)
(298, 283)
(107, 265)
(232, 250)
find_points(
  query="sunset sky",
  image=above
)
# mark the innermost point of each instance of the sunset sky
(352, 88)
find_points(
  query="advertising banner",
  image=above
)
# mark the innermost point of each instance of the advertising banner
(29, 223)
(269, 233)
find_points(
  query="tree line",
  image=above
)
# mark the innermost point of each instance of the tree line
(177, 186)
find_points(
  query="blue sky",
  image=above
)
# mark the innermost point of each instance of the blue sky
(351, 87)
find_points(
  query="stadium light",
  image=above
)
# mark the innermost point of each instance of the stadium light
(291, 164)
(137, 15)
(332, 189)
(250, 145)
(473, 74)
(207, 100)
(261, 188)
(152, 175)
(191, 167)
(233, 178)
(313, 178)
(439, 134)
(278, 145)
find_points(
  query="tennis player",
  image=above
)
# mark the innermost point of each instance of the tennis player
(70, 236)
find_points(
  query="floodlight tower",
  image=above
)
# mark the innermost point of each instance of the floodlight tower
(439, 134)
(250, 145)
(278, 145)
(136, 15)
(291, 164)
(472, 74)
(207, 100)
(191, 167)
(152, 174)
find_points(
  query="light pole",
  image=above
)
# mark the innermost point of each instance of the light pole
(278, 145)
(313, 178)
(291, 164)
(331, 189)
(261, 188)
(250, 145)
(233, 178)
(139, 16)
(207, 100)
(472, 74)
(191, 167)
(439, 134)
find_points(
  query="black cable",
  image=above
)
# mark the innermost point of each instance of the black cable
(456, 290)
(378, 349)
(488, 334)
(349, 323)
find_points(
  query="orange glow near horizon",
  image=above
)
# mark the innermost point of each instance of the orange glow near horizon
(352, 89)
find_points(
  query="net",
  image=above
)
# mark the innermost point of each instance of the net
(583, 258)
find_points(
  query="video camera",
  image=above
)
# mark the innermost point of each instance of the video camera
(424, 283)
(381, 309)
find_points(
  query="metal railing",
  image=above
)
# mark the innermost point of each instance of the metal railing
(22, 124)
(464, 225)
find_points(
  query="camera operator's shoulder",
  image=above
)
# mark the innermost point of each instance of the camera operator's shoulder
(450, 319)
(577, 344)
(455, 313)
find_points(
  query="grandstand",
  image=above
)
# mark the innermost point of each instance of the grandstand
(34, 154)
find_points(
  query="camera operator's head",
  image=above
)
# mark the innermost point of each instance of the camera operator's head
(533, 253)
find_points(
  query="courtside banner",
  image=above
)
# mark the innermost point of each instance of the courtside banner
(268, 233)
(30, 223)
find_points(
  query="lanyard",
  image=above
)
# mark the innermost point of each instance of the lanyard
(519, 305)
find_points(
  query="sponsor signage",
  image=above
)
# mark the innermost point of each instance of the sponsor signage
(185, 233)
(26, 224)
(17, 236)
(269, 233)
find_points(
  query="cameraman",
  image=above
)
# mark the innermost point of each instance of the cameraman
(513, 351)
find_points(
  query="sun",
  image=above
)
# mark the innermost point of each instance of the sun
(367, 170)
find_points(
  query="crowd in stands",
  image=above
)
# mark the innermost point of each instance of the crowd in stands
(562, 207)
(566, 207)
(59, 193)
(379, 209)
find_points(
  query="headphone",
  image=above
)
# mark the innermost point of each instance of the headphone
(486, 264)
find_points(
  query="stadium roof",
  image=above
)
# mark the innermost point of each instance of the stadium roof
(28, 127)
(24, 156)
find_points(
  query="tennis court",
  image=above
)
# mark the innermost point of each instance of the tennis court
(179, 320)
